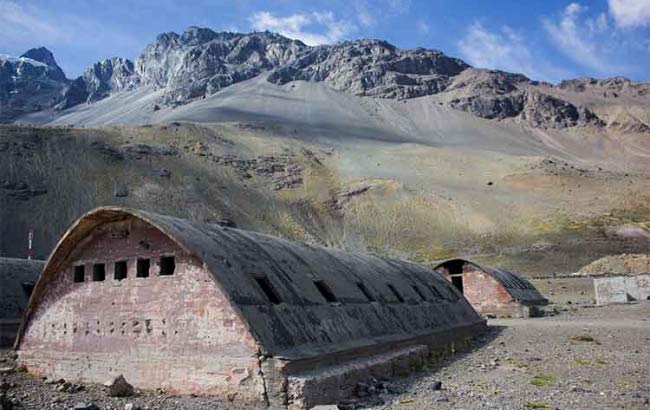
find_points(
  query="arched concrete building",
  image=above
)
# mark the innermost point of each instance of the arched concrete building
(491, 291)
(199, 308)
(17, 279)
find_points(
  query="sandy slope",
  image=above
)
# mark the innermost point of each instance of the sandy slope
(314, 111)
(411, 178)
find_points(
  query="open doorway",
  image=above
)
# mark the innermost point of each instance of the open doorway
(457, 281)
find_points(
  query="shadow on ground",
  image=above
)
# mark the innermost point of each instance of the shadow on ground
(396, 386)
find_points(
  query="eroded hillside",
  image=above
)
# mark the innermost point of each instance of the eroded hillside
(421, 201)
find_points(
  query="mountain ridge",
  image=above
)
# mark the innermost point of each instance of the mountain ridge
(200, 62)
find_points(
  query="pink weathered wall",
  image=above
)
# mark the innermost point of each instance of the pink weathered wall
(178, 332)
(487, 296)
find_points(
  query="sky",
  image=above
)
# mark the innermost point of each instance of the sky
(547, 40)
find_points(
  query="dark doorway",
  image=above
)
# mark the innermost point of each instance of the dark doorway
(457, 280)
(455, 267)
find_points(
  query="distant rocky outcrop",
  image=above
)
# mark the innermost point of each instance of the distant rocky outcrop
(99, 81)
(500, 95)
(373, 68)
(609, 87)
(200, 62)
(31, 82)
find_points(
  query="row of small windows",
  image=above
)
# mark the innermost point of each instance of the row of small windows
(328, 295)
(120, 269)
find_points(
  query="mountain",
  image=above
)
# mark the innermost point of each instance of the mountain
(358, 145)
(182, 68)
(99, 81)
(31, 82)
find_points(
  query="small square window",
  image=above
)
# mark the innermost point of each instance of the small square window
(435, 292)
(396, 293)
(99, 272)
(167, 265)
(142, 270)
(120, 270)
(272, 295)
(365, 292)
(325, 291)
(420, 294)
(79, 273)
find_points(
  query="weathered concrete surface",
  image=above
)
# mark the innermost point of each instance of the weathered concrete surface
(211, 327)
(494, 292)
(17, 278)
(622, 289)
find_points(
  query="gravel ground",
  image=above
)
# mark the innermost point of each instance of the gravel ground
(583, 358)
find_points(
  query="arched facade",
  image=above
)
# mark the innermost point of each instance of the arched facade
(493, 292)
(203, 309)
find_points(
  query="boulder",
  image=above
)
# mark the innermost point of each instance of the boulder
(119, 387)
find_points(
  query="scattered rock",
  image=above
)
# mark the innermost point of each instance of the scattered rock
(85, 406)
(121, 191)
(107, 150)
(437, 385)
(441, 398)
(163, 173)
(141, 149)
(226, 222)
(119, 387)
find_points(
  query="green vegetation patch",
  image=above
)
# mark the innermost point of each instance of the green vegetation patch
(584, 338)
(543, 380)
(538, 405)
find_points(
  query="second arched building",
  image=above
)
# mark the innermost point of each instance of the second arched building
(493, 292)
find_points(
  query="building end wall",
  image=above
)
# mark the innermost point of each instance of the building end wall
(176, 332)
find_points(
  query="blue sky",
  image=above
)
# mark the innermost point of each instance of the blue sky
(544, 39)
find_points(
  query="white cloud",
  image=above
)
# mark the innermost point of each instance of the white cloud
(365, 17)
(18, 22)
(505, 50)
(312, 29)
(369, 13)
(630, 13)
(587, 41)
(422, 27)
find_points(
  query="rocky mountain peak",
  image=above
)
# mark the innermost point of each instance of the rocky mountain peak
(99, 81)
(45, 56)
(41, 54)
(200, 61)
(373, 68)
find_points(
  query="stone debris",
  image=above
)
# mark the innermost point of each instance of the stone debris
(85, 406)
(119, 387)
(121, 191)
(141, 149)
(21, 191)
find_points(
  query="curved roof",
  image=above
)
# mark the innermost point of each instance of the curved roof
(17, 277)
(304, 325)
(518, 287)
